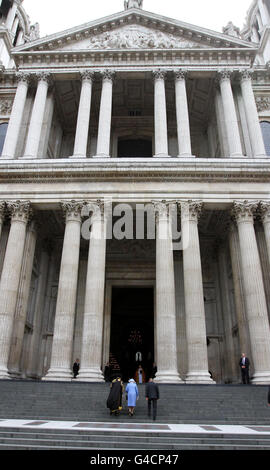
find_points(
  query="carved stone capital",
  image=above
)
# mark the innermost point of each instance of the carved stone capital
(159, 74)
(19, 211)
(2, 211)
(224, 75)
(180, 74)
(87, 75)
(23, 77)
(245, 75)
(108, 75)
(244, 211)
(191, 210)
(72, 210)
(97, 209)
(44, 77)
(160, 209)
(264, 211)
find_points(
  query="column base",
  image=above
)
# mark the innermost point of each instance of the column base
(59, 375)
(261, 378)
(77, 156)
(199, 377)
(101, 156)
(4, 374)
(169, 376)
(161, 155)
(186, 155)
(92, 374)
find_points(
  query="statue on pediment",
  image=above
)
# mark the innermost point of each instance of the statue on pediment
(133, 4)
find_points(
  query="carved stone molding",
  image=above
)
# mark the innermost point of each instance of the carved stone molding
(244, 211)
(20, 210)
(6, 106)
(263, 103)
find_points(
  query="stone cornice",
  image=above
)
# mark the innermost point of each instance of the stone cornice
(172, 169)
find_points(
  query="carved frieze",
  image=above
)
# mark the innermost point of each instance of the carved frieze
(263, 103)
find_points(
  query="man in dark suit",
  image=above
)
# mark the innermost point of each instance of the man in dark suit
(152, 396)
(244, 364)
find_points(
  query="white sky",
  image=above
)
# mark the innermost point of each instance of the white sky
(57, 15)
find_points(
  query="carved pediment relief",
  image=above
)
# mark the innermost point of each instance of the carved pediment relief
(138, 37)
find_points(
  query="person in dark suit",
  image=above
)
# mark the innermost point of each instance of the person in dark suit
(76, 368)
(152, 396)
(244, 364)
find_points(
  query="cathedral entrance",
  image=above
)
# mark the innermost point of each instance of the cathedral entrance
(135, 148)
(132, 331)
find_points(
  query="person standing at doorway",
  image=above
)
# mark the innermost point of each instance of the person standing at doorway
(140, 375)
(244, 364)
(132, 396)
(152, 396)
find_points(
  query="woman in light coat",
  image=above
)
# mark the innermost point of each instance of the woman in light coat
(132, 396)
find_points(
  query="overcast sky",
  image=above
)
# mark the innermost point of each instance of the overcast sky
(57, 15)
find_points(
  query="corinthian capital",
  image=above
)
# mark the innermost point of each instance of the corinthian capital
(224, 75)
(264, 211)
(19, 210)
(159, 74)
(191, 210)
(108, 75)
(87, 75)
(72, 210)
(244, 211)
(245, 74)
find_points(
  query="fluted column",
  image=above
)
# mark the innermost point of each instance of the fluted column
(182, 115)
(60, 367)
(165, 299)
(238, 289)
(230, 116)
(161, 131)
(83, 120)
(20, 212)
(16, 117)
(35, 126)
(264, 210)
(91, 353)
(105, 115)
(255, 300)
(198, 371)
(22, 300)
(252, 117)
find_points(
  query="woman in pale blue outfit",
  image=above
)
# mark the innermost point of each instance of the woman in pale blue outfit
(132, 395)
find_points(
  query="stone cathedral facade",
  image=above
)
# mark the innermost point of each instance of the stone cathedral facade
(129, 114)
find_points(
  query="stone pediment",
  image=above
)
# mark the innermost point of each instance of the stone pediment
(133, 29)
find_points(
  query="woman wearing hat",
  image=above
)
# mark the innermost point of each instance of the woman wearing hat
(132, 395)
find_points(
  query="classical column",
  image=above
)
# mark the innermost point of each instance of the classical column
(83, 120)
(256, 308)
(165, 299)
(230, 114)
(22, 300)
(264, 210)
(194, 298)
(61, 358)
(243, 332)
(15, 120)
(105, 115)
(161, 131)
(35, 126)
(182, 114)
(91, 353)
(252, 117)
(20, 212)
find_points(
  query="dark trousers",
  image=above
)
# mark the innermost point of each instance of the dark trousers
(154, 402)
(245, 375)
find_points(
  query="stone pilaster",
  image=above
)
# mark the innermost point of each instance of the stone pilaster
(161, 131)
(182, 114)
(105, 115)
(91, 352)
(252, 117)
(16, 117)
(62, 347)
(255, 301)
(198, 371)
(165, 299)
(83, 120)
(20, 213)
(35, 126)
(230, 116)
